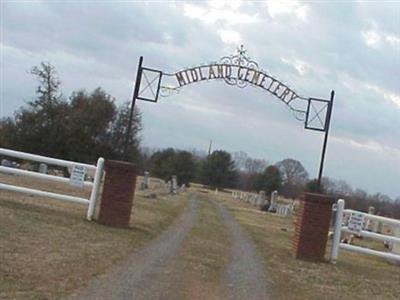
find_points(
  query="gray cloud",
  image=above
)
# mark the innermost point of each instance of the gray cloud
(312, 46)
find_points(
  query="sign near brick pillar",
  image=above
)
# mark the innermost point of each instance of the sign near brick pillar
(118, 194)
(312, 226)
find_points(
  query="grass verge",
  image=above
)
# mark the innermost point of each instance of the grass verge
(203, 256)
(48, 249)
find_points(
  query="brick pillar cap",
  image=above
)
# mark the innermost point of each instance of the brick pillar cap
(116, 164)
(318, 198)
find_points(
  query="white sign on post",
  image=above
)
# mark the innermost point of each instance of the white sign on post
(77, 176)
(356, 222)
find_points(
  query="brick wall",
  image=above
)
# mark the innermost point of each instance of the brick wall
(312, 226)
(118, 193)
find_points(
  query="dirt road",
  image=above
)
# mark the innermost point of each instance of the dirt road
(151, 273)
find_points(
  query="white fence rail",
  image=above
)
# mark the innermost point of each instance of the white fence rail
(95, 185)
(357, 229)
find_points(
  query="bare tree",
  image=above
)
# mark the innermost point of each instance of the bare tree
(294, 177)
(254, 165)
(240, 158)
(292, 171)
(48, 90)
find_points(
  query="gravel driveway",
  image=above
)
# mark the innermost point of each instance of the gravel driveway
(149, 273)
(245, 272)
(132, 279)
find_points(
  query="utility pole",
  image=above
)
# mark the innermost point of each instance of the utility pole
(209, 148)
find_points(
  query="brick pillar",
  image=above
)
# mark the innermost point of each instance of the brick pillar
(312, 226)
(118, 194)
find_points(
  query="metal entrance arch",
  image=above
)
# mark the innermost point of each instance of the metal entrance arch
(241, 71)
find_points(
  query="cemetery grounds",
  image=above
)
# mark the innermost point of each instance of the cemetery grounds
(48, 250)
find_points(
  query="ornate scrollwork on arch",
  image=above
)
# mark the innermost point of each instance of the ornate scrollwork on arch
(236, 70)
(240, 59)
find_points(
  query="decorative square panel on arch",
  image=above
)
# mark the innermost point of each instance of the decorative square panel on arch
(317, 114)
(149, 87)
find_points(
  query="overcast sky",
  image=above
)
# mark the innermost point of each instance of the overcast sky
(313, 46)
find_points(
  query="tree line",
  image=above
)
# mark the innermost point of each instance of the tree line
(221, 170)
(82, 127)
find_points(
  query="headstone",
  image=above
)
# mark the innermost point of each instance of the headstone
(146, 179)
(183, 187)
(174, 185)
(43, 168)
(261, 198)
(6, 163)
(274, 201)
(370, 224)
(142, 186)
(216, 191)
(371, 210)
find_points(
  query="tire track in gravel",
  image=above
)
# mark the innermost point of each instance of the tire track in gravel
(245, 275)
(136, 277)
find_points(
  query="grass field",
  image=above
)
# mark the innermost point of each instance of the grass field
(355, 276)
(48, 248)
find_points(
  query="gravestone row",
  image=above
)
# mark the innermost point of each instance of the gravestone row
(261, 201)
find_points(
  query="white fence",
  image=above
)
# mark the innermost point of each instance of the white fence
(95, 185)
(355, 226)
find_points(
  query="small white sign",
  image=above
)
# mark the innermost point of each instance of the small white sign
(77, 176)
(356, 222)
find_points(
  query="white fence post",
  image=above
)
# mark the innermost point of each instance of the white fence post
(338, 230)
(95, 190)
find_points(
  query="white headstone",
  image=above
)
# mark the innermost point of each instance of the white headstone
(274, 201)
(6, 163)
(43, 168)
(174, 185)
(254, 199)
(146, 179)
(370, 224)
(261, 198)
